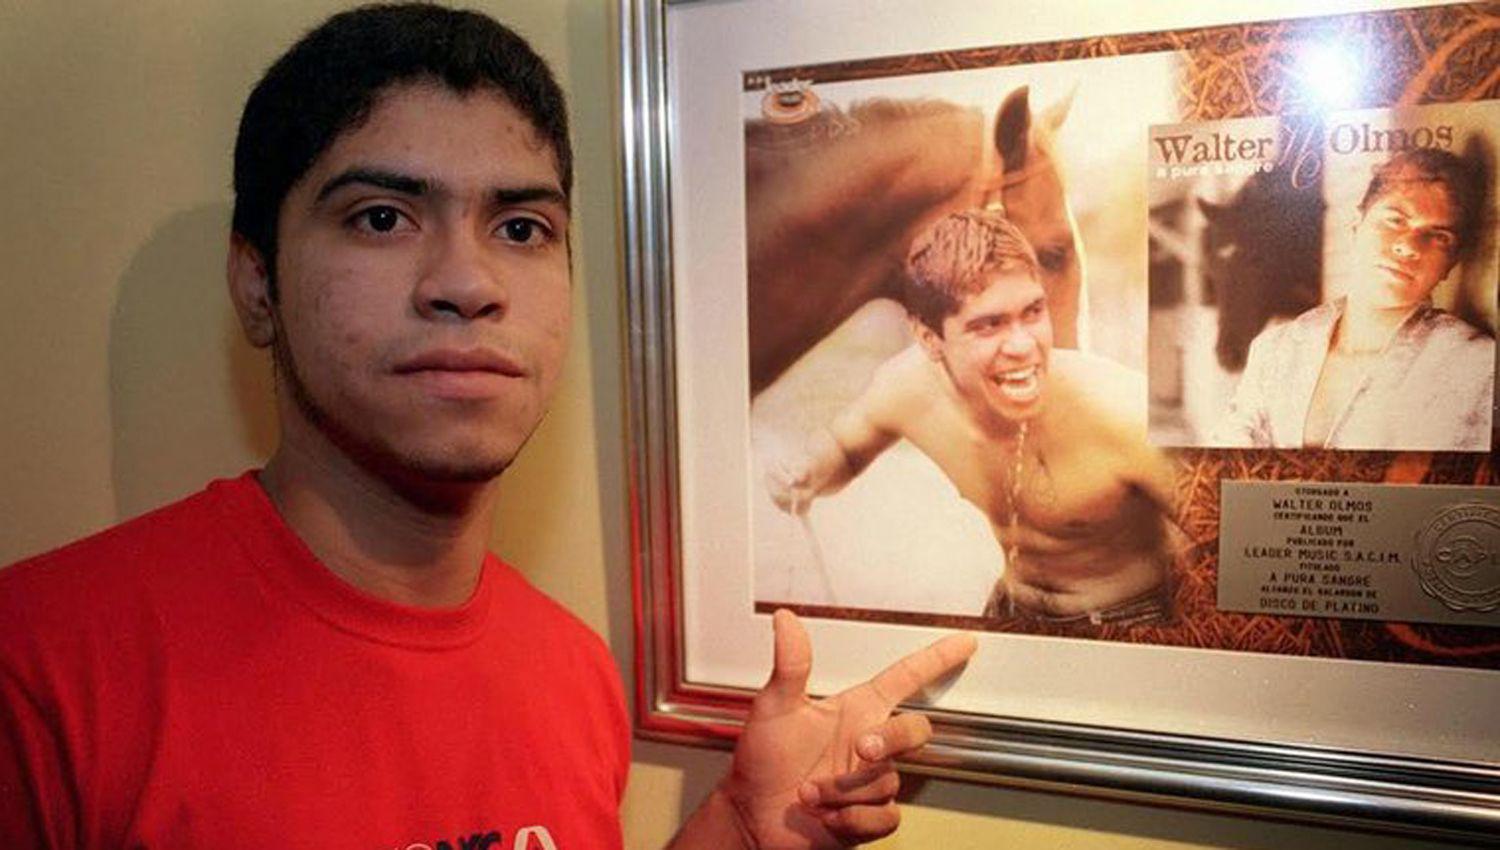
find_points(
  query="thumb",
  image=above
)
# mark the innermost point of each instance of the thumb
(793, 662)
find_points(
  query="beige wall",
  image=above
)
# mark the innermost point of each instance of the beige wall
(125, 382)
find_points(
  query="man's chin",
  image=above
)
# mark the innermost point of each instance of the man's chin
(1008, 413)
(1021, 416)
(1019, 407)
(470, 464)
(466, 471)
(421, 467)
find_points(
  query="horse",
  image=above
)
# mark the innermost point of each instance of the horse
(834, 201)
(1263, 257)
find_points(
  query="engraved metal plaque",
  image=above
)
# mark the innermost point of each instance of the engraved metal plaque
(1428, 554)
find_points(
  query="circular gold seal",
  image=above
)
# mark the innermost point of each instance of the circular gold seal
(1457, 557)
(789, 104)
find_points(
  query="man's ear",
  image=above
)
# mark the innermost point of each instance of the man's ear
(250, 290)
(930, 340)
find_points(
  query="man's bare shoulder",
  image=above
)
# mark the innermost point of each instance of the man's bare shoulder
(909, 380)
(1104, 404)
(1099, 386)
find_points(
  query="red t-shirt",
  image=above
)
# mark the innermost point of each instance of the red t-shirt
(196, 678)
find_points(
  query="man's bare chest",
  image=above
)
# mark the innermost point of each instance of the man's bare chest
(1062, 490)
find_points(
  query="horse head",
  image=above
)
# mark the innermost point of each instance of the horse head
(1032, 192)
(1263, 257)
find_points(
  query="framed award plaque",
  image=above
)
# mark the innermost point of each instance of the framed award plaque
(1153, 346)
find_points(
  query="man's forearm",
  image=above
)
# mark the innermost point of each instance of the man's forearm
(832, 466)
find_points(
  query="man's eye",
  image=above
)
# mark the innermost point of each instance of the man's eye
(380, 219)
(525, 231)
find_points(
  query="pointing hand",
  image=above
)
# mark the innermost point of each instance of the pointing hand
(819, 773)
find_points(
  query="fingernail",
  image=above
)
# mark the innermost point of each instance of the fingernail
(808, 793)
(871, 746)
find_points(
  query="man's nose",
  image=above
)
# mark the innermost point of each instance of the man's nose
(1017, 342)
(460, 280)
(1405, 246)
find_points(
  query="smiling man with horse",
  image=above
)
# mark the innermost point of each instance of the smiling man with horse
(1049, 443)
(833, 201)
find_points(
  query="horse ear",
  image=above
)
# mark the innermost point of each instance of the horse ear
(1211, 210)
(1013, 128)
(1057, 113)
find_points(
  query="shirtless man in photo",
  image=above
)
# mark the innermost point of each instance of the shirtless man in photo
(1049, 444)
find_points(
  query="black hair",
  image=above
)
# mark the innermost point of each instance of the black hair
(326, 84)
(1463, 181)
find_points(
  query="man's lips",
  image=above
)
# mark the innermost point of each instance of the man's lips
(1395, 270)
(1020, 385)
(461, 373)
(482, 360)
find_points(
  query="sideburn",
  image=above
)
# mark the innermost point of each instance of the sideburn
(285, 374)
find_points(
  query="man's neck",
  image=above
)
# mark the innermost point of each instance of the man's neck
(994, 426)
(997, 427)
(1367, 329)
(395, 545)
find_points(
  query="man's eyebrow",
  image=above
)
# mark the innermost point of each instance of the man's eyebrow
(378, 177)
(506, 196)
(984, 318)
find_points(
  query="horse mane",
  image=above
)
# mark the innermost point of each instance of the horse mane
(877, 109)
(832, 121)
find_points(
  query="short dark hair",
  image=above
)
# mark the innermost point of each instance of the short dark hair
(949, 260)
(1463, 181)
(326, 84)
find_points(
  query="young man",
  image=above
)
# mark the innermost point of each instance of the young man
(1381, 368)
(1049, 443)
(322, 653)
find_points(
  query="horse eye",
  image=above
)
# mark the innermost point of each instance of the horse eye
(1052, 259)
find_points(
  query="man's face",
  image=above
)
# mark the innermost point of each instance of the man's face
(1406, 243)
(997, 346)
(424, 285)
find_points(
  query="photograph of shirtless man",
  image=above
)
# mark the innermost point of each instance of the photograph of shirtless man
(1050, 444)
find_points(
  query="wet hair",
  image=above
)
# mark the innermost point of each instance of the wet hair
(1463, 181)
(951, 259)
(328, 82)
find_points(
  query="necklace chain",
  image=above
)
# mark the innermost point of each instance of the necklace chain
(1012, 551)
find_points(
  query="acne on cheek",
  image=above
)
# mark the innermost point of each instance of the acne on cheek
(560, 326)
(554, 315)
(342, 293)
(329, 301)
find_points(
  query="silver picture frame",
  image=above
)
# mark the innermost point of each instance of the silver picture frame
(1364, 788)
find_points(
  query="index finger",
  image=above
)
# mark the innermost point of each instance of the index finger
(923, 667)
